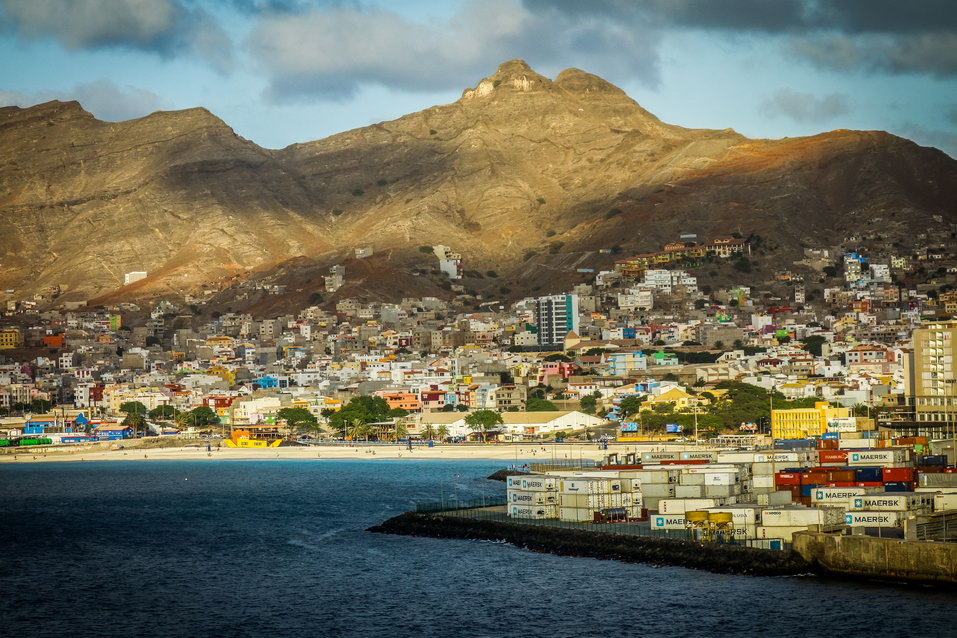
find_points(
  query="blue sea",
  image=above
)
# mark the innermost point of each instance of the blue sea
(279, 548)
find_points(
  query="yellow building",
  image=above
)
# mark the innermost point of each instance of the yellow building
(10, 338)
(805, 422)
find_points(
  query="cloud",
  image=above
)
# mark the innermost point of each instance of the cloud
(944, 140)
(803, 107)
(932, 53)
(329, 53)
(102, 98)
(165, 27)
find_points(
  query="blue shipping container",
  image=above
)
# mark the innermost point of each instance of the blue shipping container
(831, 435)
(897, 487)
(807, 490)
(868, 474)
(928, 460)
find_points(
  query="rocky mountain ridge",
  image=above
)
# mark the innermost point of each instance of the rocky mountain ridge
(524, 175)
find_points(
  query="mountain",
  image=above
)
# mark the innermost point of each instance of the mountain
(523, 175)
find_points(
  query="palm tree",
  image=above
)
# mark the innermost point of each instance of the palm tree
(442, 432)
(400, 431)
(429, 431)
(359, 428)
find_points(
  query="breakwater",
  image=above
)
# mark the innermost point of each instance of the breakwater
(724, 559)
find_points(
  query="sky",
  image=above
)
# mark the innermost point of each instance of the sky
(286, 71)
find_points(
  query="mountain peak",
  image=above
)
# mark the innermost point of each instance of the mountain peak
(578, 81)
(513, 75)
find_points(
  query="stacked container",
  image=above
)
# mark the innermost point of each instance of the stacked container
(580, 498)
(783, 522)
(532, 496)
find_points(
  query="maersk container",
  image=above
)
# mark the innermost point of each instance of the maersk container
(682, 505)
(780, 457)
(864, 518)
(838, 495)
(539, 484)
(523, 497)
(797, 516)
(893, 502)
(945, 502)
(533, 511)
(651, 457)
(667, 521)
(696, 456)
(589, 486)
(876, 457)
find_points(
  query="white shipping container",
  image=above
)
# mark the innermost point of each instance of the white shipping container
(658, 490)
(780, 457)
(691, 479)
(651, 457)
(698, 456)
(721, 478)
(682, 505)
(576, 514)
(838, 495)
(736, 457)
(589, 486)
(741, 514)
(667, 521)
(926, 479)
(715, 467)
(594, 501)
(689, 491)
(774, 498)
(538, 484)
(944, 502)
(760, 481)
(892, 502)
(936, 490)
(630, 485)
(533, 511)
(721, 491)
(876, 457)
(851, 444)
(874, 519)
(531, 498)
(784, 532)
(652, 476)
(797, 516)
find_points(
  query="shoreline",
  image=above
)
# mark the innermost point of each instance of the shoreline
(497, 452)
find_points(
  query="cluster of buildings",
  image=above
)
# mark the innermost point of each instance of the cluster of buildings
(650, 331)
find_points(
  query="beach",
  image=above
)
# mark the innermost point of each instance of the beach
(523, 453)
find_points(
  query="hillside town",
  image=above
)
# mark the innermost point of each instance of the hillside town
(642, 350)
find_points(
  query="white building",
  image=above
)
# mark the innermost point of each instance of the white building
(556, 316)
(136, 275)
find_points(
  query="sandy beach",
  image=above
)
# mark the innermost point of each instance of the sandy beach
(506, 452)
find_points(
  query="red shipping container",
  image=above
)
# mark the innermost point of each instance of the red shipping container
(795, 492)
(827, 444)
(898, 474)
(950, 470)
(842, 484)
(685, 462)
(868, 484)
(832, 456)
(814, 478)
(841, 476)
(931, 469)
(787, 478)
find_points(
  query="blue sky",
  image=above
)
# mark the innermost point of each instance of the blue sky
(286, 71)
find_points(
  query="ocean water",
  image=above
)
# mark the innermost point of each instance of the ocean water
(278, 548)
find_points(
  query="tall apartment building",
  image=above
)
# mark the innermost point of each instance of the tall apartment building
(930, 378)
(556, 316)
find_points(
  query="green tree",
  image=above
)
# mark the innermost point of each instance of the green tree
(630, 406)
(482, 421)
(428, 431)
(163, 412)
(814, 344)
(540, 405)
(589, 402)
(133, 407)
(442, 432)
(357, 428)
(400, 430)
(135, 421)
(39, 406)
(448, 407)
(203, 415)
(461, 407)
(367, 409)
(298, 418)
(557, 357)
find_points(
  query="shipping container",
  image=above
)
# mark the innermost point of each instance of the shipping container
(898, 475)
(538, 483)
(794, 516)
(787, 478)
(774, 498)
(863, 518)
(785, 533)
(696, 455)
(658, 490)
(533, 511)
(900, 486)
(523, 497)
(893, 502)
(589, 486)
(937, 480)
(720, 491)
(651, 457)
(667, 521)
(689, 491)
(832, 456)
(593, 501)
(869, 475)
(943, 502)
(682, 505)
(576, 514)
(877, 457)
(839, 496)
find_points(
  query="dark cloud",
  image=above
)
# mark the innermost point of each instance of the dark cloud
(943, 140)
(166, 27)
(805, 108)
(102, 98)
(932, 53)
(331, 53)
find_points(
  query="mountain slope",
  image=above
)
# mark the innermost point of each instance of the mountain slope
(519, 164)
